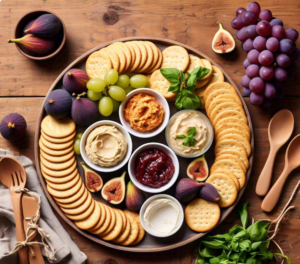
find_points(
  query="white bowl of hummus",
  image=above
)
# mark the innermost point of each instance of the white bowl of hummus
(161, 215)
(106, 146)
(144, 113)
(189, 133)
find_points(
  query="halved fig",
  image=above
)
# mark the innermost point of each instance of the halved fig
(114, 190)
(223, 42)
(93, 180)
(198, 169)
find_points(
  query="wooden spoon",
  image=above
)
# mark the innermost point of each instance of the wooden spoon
(13, 176)
(292, 161)
(280, 130)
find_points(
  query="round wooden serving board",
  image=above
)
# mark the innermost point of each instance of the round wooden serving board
(149, 243)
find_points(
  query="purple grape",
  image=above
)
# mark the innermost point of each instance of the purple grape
(270, 91)
(252, 71)
(240, 11)
(292, 34)
(254, 7)
(272, 44)
(248, 45)
(251, 31)
(266, 72)
(252, 56)
(249, 18)
(280, 74)
(283, 60)
(265, 14)
(263, 28)
(241, 34)
(292, 68)
(286, 46)
(257, 84)
(245, 81)
(237, 23)
(276, 21)
(256, 99)
(259, 43)
(266, 104)
(246, 91)
(279, 85)
(266, 57)
(278, 32)
(295, 55)
(246, 63)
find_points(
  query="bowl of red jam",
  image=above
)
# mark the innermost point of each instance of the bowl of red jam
(153, 167)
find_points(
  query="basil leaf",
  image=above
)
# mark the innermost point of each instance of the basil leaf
(187, 103)
(242, 210)
(194, 100)
(245, 245)
(234, 230)
(207, 252)
(255, 245)
(201, 74)
(178, 102)
(239, 235)
(200, 260)
(225, 237)
(234, 245)
(192, 141)
(234, 256)
(188, 74)
(242, 256)
(180, 136)
(188, 142)
(264, 250)
(181, 77)
(171, 74)
(284, 256)
(257, 231)
(190, 88)
(174, 87)
(193, 77)
(192, 132)
(253, 260)
(215, 260)
(215, 244)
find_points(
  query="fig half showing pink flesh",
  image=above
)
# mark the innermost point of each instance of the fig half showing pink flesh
(198, 169)
(223, 42)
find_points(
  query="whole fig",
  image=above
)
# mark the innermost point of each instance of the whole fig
(35, 45)
(134, 197)
(13, 127)
(47, 26)
(187, 189)
(75, 80)
(209, 192)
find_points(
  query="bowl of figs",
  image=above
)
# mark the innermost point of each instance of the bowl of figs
(39, 35)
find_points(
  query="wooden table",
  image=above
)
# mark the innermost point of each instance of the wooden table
(24, 83)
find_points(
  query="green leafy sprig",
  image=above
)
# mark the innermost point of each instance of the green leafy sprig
(189, 139)
(183, 84)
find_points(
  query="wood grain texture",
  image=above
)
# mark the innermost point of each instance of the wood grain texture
(189, 21)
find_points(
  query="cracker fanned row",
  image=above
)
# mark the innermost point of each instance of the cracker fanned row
(59, 168)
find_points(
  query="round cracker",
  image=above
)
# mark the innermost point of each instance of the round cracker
(117, 229)
(124, 219)
(222, 98)
(150, 56)
(236, 154)
(133, 56)
(215, 94)
(90, 221)
(106, 222)
(217, 76)
(226, 188)
(53, 152)
(63, 179)
(57, 166)
(97, 64)
(124, 234)
(230, 113)
(143, 57)
(207, 65)
(114, 58)
(73, 198)
(55, 146)
(231, 122)
(58, 128)
(194, 63)
(79, 209)
(136, 216)
(175, 57)
(158, 64)
(76, 203)
(217, 86)
(126, 52)
(230, 144)
(134, 232)
(61, 173)
(57, 159)
(240, 139)
(155, 52)
(84, 215)
(58, 140)
(65, 185)
(65, 193)
(224, 107)
(101, 219)
(138, 55)
(228, 173)
(119, 52)
(234, 158)
(112, 222)
(232, 131)
(201, 215)
(202, 83)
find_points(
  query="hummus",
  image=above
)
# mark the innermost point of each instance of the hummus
(106, 146)
(162, 215)
(143, 112)
(180, 125)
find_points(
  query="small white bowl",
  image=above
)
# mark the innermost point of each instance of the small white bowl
(131, 167)
(96, 166)
(210, 130)
(159, 98)
(149, 229)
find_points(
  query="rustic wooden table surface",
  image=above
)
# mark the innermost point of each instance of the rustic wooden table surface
(24, 83)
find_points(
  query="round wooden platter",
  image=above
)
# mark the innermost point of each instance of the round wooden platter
(149, 243)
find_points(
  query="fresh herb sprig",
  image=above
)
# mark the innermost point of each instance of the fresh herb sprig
(241, 245)
(183, 84)
(189, 139)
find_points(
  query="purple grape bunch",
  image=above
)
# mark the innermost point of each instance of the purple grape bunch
(271, 53)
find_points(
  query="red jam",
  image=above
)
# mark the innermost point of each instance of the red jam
(154, 168)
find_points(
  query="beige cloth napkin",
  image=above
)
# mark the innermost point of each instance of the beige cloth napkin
(67, 251)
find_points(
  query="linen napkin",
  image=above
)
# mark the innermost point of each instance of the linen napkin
(66, 251)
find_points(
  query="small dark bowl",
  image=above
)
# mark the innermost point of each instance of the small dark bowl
(60, 38)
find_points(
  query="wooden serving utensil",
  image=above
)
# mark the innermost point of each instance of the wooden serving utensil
(13, 176)
(280, 130)
(292, 161)
(29, 210)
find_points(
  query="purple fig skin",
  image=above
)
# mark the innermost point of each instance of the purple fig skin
(29, 24)
(13, 127)
(187, 189)
(84, 112)
(209, 192)
(134, 197)
(47, 26)
(58, 103)
(75, 80)
(35, 45)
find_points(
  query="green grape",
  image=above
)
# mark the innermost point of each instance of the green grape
(117, 93)
(129, 74)
(96, 85)
(116, 105)
(79, 135)
(111, 76)
(94, 96)
(138, 81)
(123, 81)
(128, 89)
(105, 106)
(77, 146)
